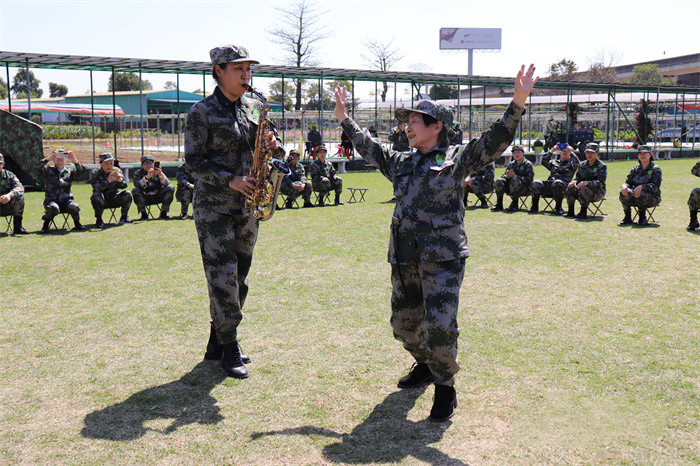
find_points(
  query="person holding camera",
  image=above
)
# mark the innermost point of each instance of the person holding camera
(561, 170)
(59, 180)
(295, 184)
(151, 186)
(185, 189)
(11, 197)
(106, 183)
(399, 139)
(589, 185)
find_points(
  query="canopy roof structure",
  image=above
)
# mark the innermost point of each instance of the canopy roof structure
(81, 62)
(42, 107)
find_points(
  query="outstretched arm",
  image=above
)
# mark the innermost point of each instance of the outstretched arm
(524, 82)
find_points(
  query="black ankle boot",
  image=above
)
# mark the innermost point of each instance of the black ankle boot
(513, 205)
(693, 225)
(215, 350)
(77, 226)
(444, 403)
(583, 214)
(643, 221)
(628, 217)
(231, 361)
(571, 212)
(499, 204)
(535, 205)
(418, 375)
(18, 228)
(484, 203)
(557, 208)
(337, 199)
(45, 227)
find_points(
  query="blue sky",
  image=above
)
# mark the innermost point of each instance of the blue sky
(542, 32)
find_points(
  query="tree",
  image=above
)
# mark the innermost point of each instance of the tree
(574, 110)
(19, 86)
(57, 90)
(127, 82)
(170, 85)
(275, 94)
(312, 98)
(300, 32)
(601, 67)
(563, 70)
(3, 89)
(643, 122)
(442, 91)
(419, 68)
(382, 56)
(649, 74)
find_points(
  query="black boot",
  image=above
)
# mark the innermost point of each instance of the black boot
(628, 217)
(418, 375)
(321, 200)
(571, 212)
(124, 219)
(308, 204)
(215, 350)
(231, 361)
(337, 199)
(693, 225)
(583, 214)
(98, 222)
(642, 221)
(45, 227)
(535, 205)
(444, 403)
(77, 226)
(144, 215)
(183, 214)
(499, 203)
(164, 215)
(288, 204)
(557, 208)
(513, 207)
(484, 203)
(19, 229)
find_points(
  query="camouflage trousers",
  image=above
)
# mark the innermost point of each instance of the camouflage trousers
(15, 207)
(226, 241)
(644, 201)
(292, 193)
(164, 196)
(424, 303)
(584, 196)
(514, 187)
(694, 199)
(184, 197)
(554, 188)
(479, 188)
(334, 184)
(52, 208)
(100, 203)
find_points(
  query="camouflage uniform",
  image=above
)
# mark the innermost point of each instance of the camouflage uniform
(400, 141)
(10, 184)
(154, 192)
(650, 180)
(106, 194)
(184, 194)
(318, 170)
(596, 175)
(694, 201)
(517, 186)
(482, 183)
(561, 174)
(428, 243)
(219, 143)
(58, 197)
(457, 136)
(296, 176)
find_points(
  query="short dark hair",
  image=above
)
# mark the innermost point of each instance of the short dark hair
(445, 133)
(213, 71)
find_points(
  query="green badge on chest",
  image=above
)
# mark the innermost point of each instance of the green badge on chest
(440, 159)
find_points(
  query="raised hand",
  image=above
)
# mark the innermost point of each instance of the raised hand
(524, 82)
(341, 97)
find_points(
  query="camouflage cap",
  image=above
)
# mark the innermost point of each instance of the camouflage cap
(106, 156)
(592, 147)
(294, 152)
(146, 157)
(644, 148)
(229, 54)
(436, 110)
(321, 147)
(517, 147)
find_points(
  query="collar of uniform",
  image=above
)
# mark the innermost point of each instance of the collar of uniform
(434, 151)
(224, 101)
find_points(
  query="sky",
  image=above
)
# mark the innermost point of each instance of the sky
(539, 32)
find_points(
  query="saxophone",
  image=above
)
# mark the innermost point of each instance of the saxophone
(267, 171)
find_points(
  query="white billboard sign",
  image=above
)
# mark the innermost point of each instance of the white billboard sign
(470, 38)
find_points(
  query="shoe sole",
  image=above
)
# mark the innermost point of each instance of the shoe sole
(426, 380)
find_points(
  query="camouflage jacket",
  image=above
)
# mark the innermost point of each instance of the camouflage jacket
(9, 184)
(458, 137)
(153, 184)
(400, 141)
(524, 170)
(485, 174)
(318, 170)
(649, 179)
(296, 175)
(696, 169)
(428, 218)
(184, 177)
(98, 180)
(595, 174)
(315, 138)
(219, 144)
(559, 169)
(59, 182)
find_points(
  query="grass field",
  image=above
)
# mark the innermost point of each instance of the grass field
(579, 342)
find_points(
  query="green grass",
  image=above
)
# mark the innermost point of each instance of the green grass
(579, 342)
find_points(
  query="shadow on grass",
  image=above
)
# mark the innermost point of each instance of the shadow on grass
(185, 401)
(386, 436)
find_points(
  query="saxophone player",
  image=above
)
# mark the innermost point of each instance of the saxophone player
(220, 137)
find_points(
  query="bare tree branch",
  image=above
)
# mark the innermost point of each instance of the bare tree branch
(382, 56)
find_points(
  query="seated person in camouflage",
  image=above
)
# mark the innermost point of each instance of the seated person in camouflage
(694, 202)
(314, 139)
(106, 183)
(589, 185)
(324, 178)
(151, 186)
(58, 179)
(11, 197)
(480, 183)
(562, 171)
(185, 189)
(295, 184)
(642, 187)
(516, 181)
(399, 139)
